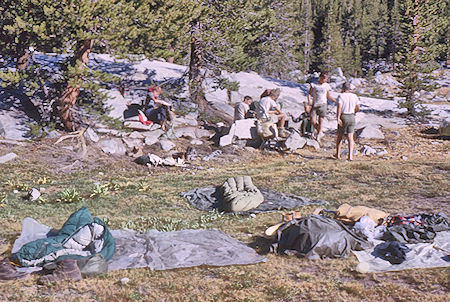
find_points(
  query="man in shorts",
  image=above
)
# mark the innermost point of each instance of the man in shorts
(317, 102)
(347, 106)
(269, 110)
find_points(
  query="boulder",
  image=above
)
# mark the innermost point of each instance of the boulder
(367, 150)
(203, 133)
(136, 134)
(245, 129)
(312, 143)
(180, 121)
(112, 146)
(132, 142)
(7, 157)
(166, 145)
(371, 132)
(109, 131)
(226, 140)
(152, 137)
(187, 132)
(34, 194)
(91, 135)
(295, 141)
(444, 128)
(196, 142)
(136, 125)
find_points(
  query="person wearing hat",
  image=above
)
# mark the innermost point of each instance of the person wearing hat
(347, 106)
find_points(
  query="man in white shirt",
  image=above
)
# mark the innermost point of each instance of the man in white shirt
(347, 106)
(317, 102)
(268, 109)
(241, 109)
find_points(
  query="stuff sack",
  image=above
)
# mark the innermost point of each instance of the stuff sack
(240, 194)
(349, 214)
(266, 129)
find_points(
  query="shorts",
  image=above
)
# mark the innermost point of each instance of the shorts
(156, 115)
(348, 124)
(320, 110)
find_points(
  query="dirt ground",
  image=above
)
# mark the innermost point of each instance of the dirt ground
(412, 177)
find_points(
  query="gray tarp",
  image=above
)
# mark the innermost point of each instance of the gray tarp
(422, 255)
(160, 250)
(207, 199)
(317, 237)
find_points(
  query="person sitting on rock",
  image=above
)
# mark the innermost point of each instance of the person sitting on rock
(242, 109)
(154, 108)
(269, 110)
(317, 102)
(347, 106)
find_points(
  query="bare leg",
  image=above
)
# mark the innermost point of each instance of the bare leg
(351, 145)
(314, 121)
(319, 128)
(281, 120)
(338, 145)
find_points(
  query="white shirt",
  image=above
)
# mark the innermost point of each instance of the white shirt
(348, 102)
(240, 109)
(319, 92)
(265, 105)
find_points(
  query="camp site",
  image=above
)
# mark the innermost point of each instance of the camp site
(224, 150)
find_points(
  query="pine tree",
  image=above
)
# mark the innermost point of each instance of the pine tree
(421, 27)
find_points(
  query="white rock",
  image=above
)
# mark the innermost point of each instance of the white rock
(366, 150)
(371, 132)
(7, 157)
(200, 133)
(112, 146)
(245, 129)
(187, 132)
(137, 125)
(404, 157)
(381, 153)
(313, 143)
(226, 140)
(124, 280)
(136, 134)
(91, 135)
(295, 141)
(196, 142)
(166, 145)
(33, 194)
(132, 142)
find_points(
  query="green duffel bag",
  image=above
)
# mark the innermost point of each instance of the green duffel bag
(239, 194)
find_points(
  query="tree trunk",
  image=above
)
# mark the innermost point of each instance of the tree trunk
(171, 59)
(71, 92)
(195, 66)
(23, 56)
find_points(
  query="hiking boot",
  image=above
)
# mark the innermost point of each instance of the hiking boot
(9, 272)
(65, 270)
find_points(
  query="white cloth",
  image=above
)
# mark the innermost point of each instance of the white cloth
(319, 93)
(265, 104)
(348, 102)
(240, 109)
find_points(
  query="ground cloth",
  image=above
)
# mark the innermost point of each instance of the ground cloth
(422, 255)
(160, 250)
(207, 199)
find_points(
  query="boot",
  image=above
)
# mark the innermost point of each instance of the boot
(65, 270)
(9, 272)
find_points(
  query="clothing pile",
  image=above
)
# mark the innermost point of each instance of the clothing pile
(385, 242)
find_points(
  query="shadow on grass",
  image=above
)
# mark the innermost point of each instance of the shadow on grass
(261, 244)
